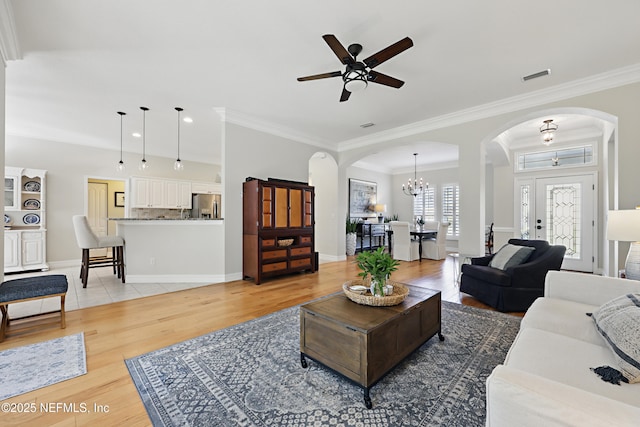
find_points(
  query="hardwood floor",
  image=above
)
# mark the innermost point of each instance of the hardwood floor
(119, 331)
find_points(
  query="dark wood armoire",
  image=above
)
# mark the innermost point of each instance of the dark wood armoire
(278, 228)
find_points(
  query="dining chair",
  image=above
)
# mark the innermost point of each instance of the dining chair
(404, 248)
(436, 248)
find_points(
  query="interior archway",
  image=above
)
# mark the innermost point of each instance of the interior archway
(323, 175)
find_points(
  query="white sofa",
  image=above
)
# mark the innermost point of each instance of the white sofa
(546, 378)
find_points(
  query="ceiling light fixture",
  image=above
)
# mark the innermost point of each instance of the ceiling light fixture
(143, 166)
(367, 125)
(356, 77)
(414, 189)
(548, 130)
(120, 167)
(178, 166)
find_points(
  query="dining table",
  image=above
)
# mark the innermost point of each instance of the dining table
(420, 233)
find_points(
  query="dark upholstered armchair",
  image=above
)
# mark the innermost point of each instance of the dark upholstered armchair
(514, 288)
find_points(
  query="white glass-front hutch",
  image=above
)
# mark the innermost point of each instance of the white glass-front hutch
(25, 230)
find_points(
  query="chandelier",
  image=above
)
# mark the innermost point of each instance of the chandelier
(548, 130)
(417, 187)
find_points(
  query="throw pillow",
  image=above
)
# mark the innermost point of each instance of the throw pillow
(618, 321)
(511, 255)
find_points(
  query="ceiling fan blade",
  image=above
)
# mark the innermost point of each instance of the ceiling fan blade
(388, 52)
(337, 48)
(345, 95)
(383, 79)
(320, 76)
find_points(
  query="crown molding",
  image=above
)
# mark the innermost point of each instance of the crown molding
(598, 82)
(252, 122)
(9, 47)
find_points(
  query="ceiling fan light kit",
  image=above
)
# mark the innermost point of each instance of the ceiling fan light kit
(358, 74)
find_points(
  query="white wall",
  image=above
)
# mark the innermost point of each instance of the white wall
(252, 153)
(68, 167)
(2, 139)
(323, 175)
(383, 180)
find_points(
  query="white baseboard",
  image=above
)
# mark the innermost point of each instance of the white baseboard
(322, 258)
(175, 278)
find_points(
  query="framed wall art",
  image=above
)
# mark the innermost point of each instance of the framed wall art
(362, 198)
(119, 199)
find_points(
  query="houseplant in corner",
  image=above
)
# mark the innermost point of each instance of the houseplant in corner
(379, 265)
(351, 227)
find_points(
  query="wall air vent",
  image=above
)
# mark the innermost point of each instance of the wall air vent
(536, 75)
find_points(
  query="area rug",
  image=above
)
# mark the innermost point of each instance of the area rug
(250, 375)
(28, 368)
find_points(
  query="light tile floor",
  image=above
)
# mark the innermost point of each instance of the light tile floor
(103, 287)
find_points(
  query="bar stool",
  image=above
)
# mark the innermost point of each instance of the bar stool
(88, 240)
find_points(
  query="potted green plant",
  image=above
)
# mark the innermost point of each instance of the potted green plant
(351, 227)
(378, 265)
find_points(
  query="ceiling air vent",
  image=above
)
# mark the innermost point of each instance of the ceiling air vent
(536, 75)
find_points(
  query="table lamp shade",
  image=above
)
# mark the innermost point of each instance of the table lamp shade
(380, 208)
(624, 226)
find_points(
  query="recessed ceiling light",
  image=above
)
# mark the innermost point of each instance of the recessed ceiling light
(187, 120)
(367, 125)
(136, 135)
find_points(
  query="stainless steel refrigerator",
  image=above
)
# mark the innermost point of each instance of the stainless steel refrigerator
(206, 206)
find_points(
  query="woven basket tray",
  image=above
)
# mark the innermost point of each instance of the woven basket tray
(400, 292)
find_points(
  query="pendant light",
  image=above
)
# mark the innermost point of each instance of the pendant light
(120, 167)
(143, 166)
(178, 166)
(548, 130)
(415, 188)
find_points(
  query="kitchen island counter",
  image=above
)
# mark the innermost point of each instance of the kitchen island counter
(164, 250)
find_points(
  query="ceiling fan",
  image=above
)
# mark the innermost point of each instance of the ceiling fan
(358, 73)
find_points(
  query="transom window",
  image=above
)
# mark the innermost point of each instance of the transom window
(562, 157)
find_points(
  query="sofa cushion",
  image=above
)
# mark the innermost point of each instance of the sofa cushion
(568, 361)
(563, 317)
(510, 256)
(618, 321)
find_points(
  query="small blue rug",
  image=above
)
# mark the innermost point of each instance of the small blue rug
(250, 375)
(28, 368)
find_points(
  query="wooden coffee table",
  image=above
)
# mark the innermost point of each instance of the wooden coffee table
(363, 343)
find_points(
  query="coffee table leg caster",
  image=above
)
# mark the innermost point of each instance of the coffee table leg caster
(303, 361)
(367, 399)
(440, 336)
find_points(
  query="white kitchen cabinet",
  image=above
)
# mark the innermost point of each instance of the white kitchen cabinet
(148, 193)
(206, 188)
(24, 220)
(178, 194)
(160, 193)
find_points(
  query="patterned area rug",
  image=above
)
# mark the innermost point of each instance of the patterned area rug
(28, 368)
(250, 375)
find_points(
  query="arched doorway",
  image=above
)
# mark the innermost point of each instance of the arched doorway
(323, 175)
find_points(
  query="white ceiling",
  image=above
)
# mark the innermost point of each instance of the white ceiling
(84, 60)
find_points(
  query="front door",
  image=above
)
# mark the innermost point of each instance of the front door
(560, 210)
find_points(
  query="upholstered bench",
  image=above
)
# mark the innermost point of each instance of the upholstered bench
(31, 288)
